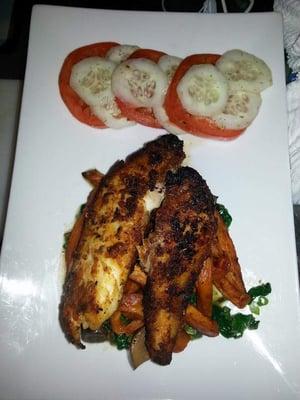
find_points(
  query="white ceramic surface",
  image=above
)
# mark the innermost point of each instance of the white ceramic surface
(250, 175)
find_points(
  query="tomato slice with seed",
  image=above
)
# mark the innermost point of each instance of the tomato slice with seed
(78, 108)
(200, 126)
(142, 115)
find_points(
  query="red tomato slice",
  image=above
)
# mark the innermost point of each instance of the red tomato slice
(150, 54)
(179, 116)
(142, 115)
(78, 108)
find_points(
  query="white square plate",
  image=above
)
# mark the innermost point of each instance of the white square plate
(250, 175)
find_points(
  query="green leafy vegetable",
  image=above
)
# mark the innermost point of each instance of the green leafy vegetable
(193, 299)
(194, 334)
(261, 290)
(254, 308)
(227, 218)
(122, 341)
(233, 326)
(262, 301)
(106, 327)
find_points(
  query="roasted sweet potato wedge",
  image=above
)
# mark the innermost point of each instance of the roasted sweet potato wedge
(226, 270)
(204, 288)
(199, 321)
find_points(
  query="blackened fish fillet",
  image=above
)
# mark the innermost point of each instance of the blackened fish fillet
(174, 253)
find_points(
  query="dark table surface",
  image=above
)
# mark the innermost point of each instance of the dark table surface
(13, 52)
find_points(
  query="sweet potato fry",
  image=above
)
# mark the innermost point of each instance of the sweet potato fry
(75, 233)
(93, 176)
(199, 321)
(204, 288)
(138, 275)
(73, 240)
(226, 271)
(182, 341)
(132, 305)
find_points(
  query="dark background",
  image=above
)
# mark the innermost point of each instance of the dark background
(13, 52)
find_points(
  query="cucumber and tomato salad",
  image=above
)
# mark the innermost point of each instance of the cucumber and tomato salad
(113, 85)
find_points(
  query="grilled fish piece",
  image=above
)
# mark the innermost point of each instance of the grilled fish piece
(114, 224)
(175, 251)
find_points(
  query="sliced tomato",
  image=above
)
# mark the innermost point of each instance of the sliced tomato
(142, 115)
(78, 108)
(199, 126)
(150, 54)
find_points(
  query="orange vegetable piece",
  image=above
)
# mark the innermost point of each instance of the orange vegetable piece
(93, 176)
(75, 233)
(131, 287)
(182, 341)
(119, 327)
(132, 305)
(138, 275)
(204, 288)
(226, 270)
(199, 321)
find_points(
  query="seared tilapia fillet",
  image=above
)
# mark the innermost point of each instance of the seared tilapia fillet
(174, 253)
(114, 225)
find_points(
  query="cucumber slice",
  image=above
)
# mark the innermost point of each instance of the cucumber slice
(241, 109)
(91, 80)
(139, 82)
(120, 53)
(244, 71)
(169, 65)
(163, 119)
(203, 90)
(109, 112)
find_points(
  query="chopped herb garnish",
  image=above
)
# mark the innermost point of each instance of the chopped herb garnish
(122, 341)
(233, 326)
(254, 308)
(261, 290)
(194, 334)
(124, 319)
(258, 297)
(227, 218)
(262, 301)
(217, 296)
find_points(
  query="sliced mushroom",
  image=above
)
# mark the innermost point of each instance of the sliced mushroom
(138, 351)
